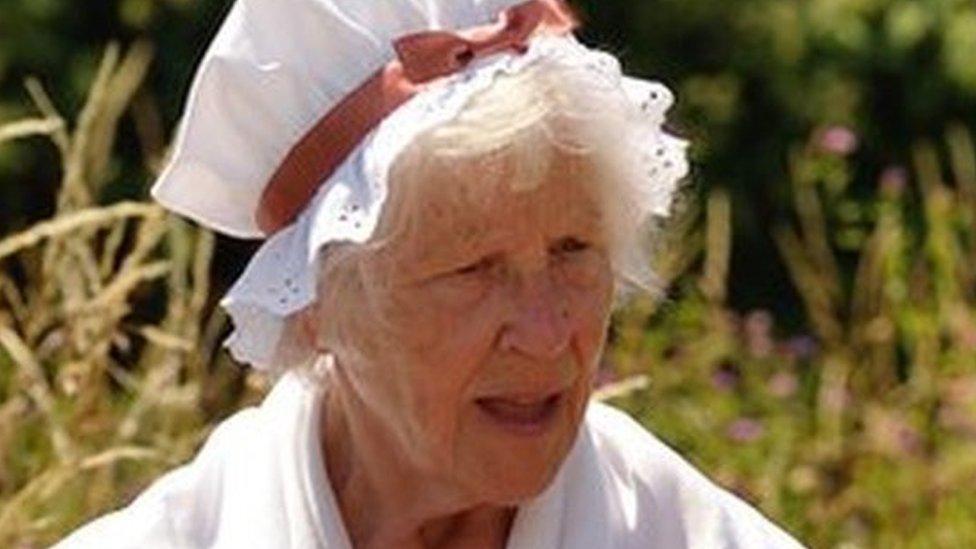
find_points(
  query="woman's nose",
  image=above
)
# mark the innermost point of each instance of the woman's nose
(539, 325)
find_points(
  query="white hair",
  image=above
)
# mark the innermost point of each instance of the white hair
(511, 133)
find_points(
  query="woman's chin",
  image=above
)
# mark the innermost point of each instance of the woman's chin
(512, 485)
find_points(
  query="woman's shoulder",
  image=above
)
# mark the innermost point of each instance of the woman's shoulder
(177, 508)
(670, 492)
(236, 473)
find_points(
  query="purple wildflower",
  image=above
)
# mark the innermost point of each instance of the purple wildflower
(800, 347)
(839, 140)
(783, 384)
(745, 430)
(836, 398)
(759, 333)
(726, 376)
(893, 181)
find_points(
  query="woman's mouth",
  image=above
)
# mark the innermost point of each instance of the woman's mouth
(525, 416)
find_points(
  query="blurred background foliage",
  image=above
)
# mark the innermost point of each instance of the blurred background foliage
(817, 354)
(753, 77)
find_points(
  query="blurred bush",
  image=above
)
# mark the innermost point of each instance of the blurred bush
(61, 42)
(755, 76)
(861, 433)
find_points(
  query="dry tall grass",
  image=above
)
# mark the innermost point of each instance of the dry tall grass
(107, 336)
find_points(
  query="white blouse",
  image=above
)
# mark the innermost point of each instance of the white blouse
(259, 481)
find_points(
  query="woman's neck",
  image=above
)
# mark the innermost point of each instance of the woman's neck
(385, 501)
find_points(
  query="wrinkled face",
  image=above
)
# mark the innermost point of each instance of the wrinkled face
(495, 315)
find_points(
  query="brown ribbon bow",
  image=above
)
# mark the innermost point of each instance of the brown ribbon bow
(432, 54)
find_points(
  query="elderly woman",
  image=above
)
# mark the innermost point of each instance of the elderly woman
(455, 194)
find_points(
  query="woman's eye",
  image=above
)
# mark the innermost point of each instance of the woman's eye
(570, 245)
(474, 268)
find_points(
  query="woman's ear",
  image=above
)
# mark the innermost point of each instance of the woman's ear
(301, 339)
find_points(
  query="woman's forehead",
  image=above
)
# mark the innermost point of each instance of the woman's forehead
(460, 211)
(483, 200)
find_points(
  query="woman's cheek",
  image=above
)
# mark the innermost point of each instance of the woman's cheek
(429, 314)
(589, 280)
(415, 320)
(590, 306)
(460, 293)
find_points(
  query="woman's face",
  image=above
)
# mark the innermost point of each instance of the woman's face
(494, 316)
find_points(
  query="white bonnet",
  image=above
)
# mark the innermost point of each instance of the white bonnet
(274, 69)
